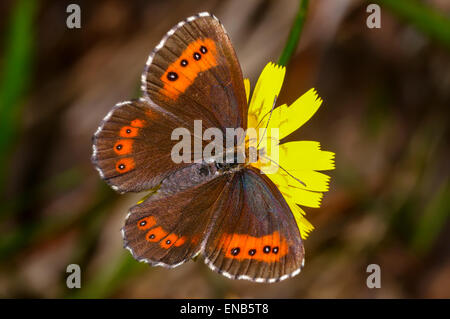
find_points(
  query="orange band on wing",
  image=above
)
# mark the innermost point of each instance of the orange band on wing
(129, 131)
(269, 248)
(168, 241)
(123, 147)
(199, 56)
(146, 223)
(124, 165)
(138, 123)
(155, 234)
(159, 234)
(180, 241)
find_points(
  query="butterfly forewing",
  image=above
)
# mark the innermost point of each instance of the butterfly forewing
(194, 73)
(132, 147)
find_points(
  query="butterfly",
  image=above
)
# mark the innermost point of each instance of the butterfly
(231, 214)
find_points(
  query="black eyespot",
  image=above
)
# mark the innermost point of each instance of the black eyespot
(122, 166)
(251, 252)
(203, 49)
(152, 236)
(275, 250)
(119, 147)
(168, 241)
(184, 62)
(197, 56)
(172, 76)
(235, 251)
(128, 131)
(266, 249)
(143, 223)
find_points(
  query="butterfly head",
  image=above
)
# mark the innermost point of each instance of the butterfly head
(233, 159)
(230, 163)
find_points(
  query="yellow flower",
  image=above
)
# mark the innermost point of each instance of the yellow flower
(298, 162)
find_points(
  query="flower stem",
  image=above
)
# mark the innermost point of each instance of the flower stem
(294, 34)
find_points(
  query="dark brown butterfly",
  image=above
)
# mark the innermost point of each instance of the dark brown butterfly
(233, 215)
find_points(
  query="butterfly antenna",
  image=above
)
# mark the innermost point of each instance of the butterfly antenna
(267, 124)
(284, 170)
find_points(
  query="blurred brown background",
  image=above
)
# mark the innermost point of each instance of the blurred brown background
(385, 113)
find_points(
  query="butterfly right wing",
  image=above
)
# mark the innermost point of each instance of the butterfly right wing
(254, 235)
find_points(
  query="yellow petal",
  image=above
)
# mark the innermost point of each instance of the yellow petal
(305, 155)
(247, 88)
(304, 226)
(314, 181)
(306, 198)
(282, 181)
(265, 93)
(291, 118)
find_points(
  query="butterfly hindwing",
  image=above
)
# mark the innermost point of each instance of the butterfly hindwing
(169, 227)
(254, 235)
(195, 74)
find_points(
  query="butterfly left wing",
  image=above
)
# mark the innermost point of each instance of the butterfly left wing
(168, 228)
(254, 234)
(132, 147)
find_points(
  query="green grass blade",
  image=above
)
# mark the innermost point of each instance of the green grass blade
(16, 73)
(294, 34)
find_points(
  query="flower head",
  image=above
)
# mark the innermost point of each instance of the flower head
(299, 163)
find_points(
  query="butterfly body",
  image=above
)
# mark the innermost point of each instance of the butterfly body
(190, 176)
(227, 211)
